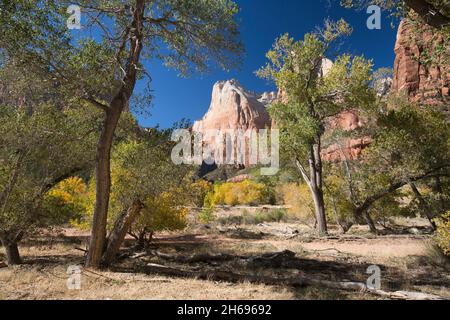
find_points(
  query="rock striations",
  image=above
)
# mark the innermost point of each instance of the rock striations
(232, 107)
(422, 83)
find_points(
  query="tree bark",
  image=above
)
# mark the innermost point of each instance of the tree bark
(103, 185)
(316, 173)
(369, 221)
(119, 232)
(316, 190)
(319, 206)
(97, 244)
(12, 252)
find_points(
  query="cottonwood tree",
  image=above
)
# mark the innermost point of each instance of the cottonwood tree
(410, 147)
(37, 151)
(311, 96)
(103, 66)
(145, 164)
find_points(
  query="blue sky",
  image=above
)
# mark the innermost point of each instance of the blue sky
(261, 21)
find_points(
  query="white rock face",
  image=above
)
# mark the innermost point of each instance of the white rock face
(325, 67)
(268, 98)
(232, 107)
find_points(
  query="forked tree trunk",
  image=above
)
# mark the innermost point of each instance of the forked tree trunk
(319, 207)
(370, 222)
(314, 180)
(12, 252)
(117, 236)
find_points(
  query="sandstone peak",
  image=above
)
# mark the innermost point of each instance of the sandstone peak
(233, 107)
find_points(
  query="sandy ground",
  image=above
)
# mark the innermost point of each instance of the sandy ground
(406, 262)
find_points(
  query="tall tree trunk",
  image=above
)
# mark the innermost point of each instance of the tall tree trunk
(12, 252)
(315, 183)
(319, 194)
(97, 244)
(319, 207)
(103, 185)
(119, 232)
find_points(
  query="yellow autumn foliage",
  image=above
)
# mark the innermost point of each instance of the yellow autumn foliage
(67, 200)
(198, 191)
(161, 213)
(238, 193)
(298, 199)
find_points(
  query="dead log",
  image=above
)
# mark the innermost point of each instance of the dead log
(299, 281)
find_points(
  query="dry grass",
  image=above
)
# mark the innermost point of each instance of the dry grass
(406, 261)
(50, 283)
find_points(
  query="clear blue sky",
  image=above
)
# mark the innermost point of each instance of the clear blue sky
(261, 21)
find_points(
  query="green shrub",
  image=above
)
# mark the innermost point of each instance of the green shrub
(277, 215)
(231, 220)
(206, 216)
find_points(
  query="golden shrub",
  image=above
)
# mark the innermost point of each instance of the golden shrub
(198, 191)
(237, 193)
(162, 213)
(298, 199)
(67, 200)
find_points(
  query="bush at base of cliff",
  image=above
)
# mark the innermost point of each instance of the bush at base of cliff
(247, 192)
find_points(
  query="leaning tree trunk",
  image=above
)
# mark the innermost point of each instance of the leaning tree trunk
(12, 252)
(370, 222)
(362, 212)
(426, 210)
(119, 232)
